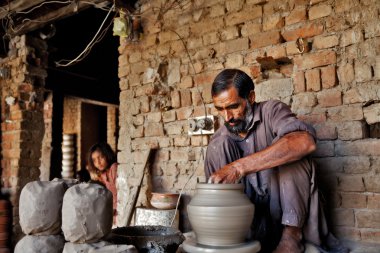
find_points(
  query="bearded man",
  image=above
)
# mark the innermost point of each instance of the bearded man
(266, 147)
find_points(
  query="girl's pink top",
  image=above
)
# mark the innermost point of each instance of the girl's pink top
(108, 178)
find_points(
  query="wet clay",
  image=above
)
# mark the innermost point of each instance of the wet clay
(220, 214)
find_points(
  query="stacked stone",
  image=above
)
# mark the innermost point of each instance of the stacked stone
(87, 216)
(40, 217)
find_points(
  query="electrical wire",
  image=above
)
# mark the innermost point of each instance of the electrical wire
(43, 3)
(66, 63)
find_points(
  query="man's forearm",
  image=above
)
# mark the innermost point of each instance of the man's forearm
(291, 147)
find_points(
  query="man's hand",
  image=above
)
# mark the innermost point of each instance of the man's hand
(228, 174)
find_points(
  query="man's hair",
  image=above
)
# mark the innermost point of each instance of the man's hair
(232, 77)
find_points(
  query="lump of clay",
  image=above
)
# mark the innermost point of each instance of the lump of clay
(40, 244)
(86, 213)
(40, 207)
(99, 247)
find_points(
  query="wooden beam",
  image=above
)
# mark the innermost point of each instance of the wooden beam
(51, 16)
(17, 5)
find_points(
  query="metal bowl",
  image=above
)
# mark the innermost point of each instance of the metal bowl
(148, 239)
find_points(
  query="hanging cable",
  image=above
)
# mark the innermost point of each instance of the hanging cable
(65, 63)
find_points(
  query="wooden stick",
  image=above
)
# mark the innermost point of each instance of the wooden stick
(135, 190)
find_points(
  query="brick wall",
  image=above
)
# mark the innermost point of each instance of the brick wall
(22, 122)
(320, 57)
(47, 138)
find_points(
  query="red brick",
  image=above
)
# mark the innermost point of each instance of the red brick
(354, 200)
(368, 219)
(351, 183)
(374, 201)
(275, 21)
(276, 51)
(352, 130)
(319, 11)
(243, 16)
(231, 46)
(293, 47)
(344, 217)
(154, 129)
(299, 82)
(328, 76)
(186, 82)
(199, 141)
(347, 233)
(205, 78)
(370, 235)
(345, 5)
(372, 183)
(356, 164)
(176, 99)
(182, 141)
(185, 98)
(313, 60)
(287, 70)
(358, 148)
(255, 71)
(306, 31)
(250, 29)
(169, 116)
(350, 37)
(346, 73)
(313, 80)
(324, 149)
(322, 42)
(326, 131)
(179, 155)
(313, 118)
(184, 113)
(206, 26)
(330, 98)
(265, 39)
(296, 15)
(173, 128)
(345, 113)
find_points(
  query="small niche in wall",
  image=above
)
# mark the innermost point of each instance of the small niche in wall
(374, 130)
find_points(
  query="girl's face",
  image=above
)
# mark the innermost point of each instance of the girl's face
(99, 160)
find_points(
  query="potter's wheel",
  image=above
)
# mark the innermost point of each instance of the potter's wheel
(190, 245)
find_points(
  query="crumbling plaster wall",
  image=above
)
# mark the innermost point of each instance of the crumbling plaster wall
(326, 66)
(22, 117)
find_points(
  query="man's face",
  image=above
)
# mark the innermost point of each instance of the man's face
(235, 110)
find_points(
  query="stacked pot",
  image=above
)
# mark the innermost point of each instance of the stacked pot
(40, 217)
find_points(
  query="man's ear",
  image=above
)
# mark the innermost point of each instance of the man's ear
(251, 96)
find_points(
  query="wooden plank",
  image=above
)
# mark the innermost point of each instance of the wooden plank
(134, 193)
(51, 16)
(18, 5)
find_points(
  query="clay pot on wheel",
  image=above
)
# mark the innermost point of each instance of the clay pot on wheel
(220, 214)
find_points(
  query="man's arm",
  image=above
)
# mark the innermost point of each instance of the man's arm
(289, 148)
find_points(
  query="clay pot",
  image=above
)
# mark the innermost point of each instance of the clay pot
(164, 200)
(220, 214)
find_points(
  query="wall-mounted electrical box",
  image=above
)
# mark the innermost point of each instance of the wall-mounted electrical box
(201, 125)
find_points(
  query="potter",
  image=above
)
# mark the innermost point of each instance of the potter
(268, 148)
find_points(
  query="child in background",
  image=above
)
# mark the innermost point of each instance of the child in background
(102, 166)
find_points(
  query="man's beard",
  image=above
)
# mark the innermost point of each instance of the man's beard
(241, 125)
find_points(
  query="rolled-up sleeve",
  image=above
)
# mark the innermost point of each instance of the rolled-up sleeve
(283, 121)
